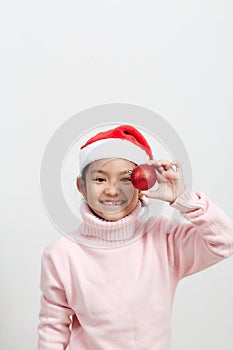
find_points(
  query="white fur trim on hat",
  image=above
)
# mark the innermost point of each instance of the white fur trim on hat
(112, 148)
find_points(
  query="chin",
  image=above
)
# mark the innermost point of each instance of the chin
(111, 216)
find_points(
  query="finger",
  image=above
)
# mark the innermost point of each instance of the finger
(153, 163)
(168, 166)
(159, 165)
(176, 166)
(151, 194)
(164, 165)
(144, 193)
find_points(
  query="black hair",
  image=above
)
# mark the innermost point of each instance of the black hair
(84, 172)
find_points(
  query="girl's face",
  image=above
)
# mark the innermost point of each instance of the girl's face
(108, 188)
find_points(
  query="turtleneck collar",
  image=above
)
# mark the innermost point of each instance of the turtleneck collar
(95, 231)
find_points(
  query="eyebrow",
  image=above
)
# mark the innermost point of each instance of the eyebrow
(128, 171)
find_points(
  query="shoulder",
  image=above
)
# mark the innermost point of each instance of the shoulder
(61, 247)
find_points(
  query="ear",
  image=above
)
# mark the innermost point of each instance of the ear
(81, 186)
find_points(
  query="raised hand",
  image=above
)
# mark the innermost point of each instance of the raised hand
(170, 181)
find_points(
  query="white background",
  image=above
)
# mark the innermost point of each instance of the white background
(60, 57)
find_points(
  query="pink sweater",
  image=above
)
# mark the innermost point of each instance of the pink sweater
(121, 298)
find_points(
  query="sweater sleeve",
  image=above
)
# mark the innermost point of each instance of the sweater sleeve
(205, 238)
(55, 314)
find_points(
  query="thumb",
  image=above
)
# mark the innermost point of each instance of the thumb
(151, 194)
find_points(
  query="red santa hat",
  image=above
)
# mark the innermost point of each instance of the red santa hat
(122, 142)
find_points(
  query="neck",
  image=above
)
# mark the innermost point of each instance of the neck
(98, 232)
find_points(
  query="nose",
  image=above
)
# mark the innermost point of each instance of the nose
(112, 189)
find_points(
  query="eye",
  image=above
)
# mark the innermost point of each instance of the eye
(99, 179)
(126, 180)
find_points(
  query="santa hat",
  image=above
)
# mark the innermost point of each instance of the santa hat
(122, 142)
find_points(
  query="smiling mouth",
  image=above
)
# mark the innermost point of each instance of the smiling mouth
(113, 203)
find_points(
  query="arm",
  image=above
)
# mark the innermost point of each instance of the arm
(207, 238)
(55, 314)
(204, 241)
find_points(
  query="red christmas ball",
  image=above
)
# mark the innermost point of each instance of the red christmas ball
(143, 177)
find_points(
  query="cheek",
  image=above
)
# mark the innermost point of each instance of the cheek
(132, 194)
(128, 188)
(93, 191)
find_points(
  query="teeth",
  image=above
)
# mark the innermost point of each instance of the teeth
(112, 203)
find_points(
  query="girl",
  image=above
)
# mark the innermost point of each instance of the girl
(111, 287)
